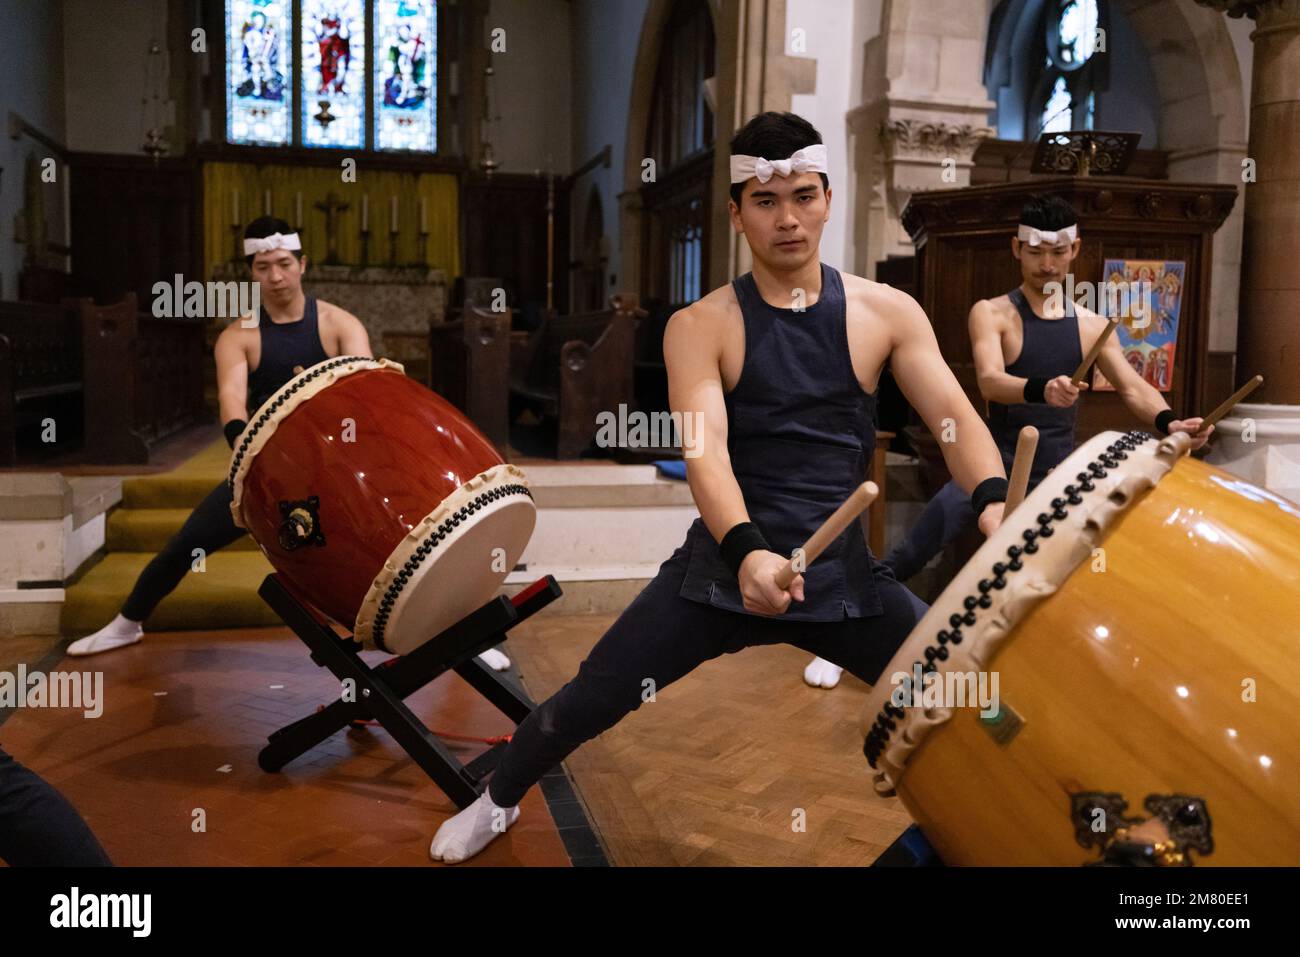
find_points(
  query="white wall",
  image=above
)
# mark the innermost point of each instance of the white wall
(105, 46)
(829, 34)
(606, 35)
(531, 85)
(31, 85)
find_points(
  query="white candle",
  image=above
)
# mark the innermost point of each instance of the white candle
(392, 213)
(424, 226)
(266, 202)
(234, 206)
(297, 210)
(365, 212)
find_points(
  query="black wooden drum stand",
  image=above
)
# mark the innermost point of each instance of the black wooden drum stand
(380, 690)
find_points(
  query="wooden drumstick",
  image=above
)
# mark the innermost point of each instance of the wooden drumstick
(1226, 406)
(1026, 446)
(853, 506)
(1091, 357)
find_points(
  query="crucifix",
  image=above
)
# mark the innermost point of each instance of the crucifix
(331, 208)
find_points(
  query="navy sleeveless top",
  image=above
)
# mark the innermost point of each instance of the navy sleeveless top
(284, 346)
(800, 432)
(1050, 348)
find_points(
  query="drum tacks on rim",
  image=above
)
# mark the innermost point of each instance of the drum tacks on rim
(378, 502)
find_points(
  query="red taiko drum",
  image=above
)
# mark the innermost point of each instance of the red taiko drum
(378, 501)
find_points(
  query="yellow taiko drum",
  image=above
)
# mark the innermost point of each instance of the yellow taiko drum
(1114, 677)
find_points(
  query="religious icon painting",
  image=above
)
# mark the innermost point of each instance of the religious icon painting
(1147, 295)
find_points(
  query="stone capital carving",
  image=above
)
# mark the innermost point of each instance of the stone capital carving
(915, 138)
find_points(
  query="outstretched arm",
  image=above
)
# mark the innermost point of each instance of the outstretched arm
(232, 375)
(1143, 399)
(353, 339)
(929, 385)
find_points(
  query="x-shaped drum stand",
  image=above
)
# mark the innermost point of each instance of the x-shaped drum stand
(380, 690)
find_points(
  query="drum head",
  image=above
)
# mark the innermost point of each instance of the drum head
(451, 564)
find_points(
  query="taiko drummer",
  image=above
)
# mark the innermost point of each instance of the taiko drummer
(778, 370)
(254, 361)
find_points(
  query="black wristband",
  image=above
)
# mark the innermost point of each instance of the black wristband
(1036, 389)
(1163, 418)
(990, 490)
(739, 542)
(233, 428)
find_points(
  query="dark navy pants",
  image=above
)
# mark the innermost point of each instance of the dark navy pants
(38, 827)
(945, 517)
(209, 527)
(661, 637)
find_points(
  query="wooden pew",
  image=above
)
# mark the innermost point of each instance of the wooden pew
(470, 367)
(143, 379)
(573, 367)
(126, 380)
(40, 371)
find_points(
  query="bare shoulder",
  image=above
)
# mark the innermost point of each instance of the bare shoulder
(1090, 321)
(997, 310)
(878, 300)
(704, 319)
(236, 336)
(335, 315)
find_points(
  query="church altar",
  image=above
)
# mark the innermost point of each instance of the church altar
(396, 304)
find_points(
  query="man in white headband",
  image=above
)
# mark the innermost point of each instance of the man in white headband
(1027, 345)
(255, 357)
(776, 372)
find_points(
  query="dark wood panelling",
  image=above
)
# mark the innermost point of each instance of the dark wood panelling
(963, 242)
(134, 223)
(504, 219)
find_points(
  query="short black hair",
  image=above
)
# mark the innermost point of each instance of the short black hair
(774, 136)
(265, 226)
(1045, 211)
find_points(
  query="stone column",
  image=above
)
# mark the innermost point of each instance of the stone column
(919, 119)
(1261, 442)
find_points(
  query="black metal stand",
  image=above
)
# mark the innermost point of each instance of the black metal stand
(378, 692)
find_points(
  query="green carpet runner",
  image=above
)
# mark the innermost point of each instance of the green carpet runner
(153, 509)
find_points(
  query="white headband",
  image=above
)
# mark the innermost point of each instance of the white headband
(274, 241)
(810, 159)
(1035, 236)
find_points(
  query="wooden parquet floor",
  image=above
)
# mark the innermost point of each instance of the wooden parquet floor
(739, 763)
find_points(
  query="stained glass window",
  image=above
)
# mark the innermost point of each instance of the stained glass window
(1072, 36)
(333, 73)
(365, 71)
(1056, 114)
(406, 33)
(1077, 30)
(258, 65)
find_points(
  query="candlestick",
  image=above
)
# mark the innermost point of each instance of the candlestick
(424, 226)
(392, 213)
(365, 212)
(234, 206)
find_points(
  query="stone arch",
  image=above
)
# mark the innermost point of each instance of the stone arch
(1203, 126)
(653, 26)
